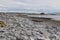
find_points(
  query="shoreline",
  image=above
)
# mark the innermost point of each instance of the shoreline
(24, 27)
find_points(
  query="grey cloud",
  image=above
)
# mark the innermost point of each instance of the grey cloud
(29, 5)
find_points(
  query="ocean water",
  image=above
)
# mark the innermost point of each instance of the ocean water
(54, 17)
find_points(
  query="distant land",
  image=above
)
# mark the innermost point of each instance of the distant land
(34, 13)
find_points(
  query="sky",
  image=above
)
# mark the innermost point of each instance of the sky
(48, 6)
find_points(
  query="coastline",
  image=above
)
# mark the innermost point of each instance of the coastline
(24, 27)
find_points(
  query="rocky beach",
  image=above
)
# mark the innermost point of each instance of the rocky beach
(21, 27)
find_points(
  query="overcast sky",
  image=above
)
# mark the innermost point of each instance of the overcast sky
(30, 5)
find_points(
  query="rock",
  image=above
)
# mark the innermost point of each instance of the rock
(24, 29)
(19, 39)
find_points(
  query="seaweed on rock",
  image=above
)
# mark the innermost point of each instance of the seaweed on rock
(2, 24)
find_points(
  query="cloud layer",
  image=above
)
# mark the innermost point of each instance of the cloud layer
(30, 5)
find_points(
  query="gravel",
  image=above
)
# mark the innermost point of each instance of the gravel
(20, 28)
